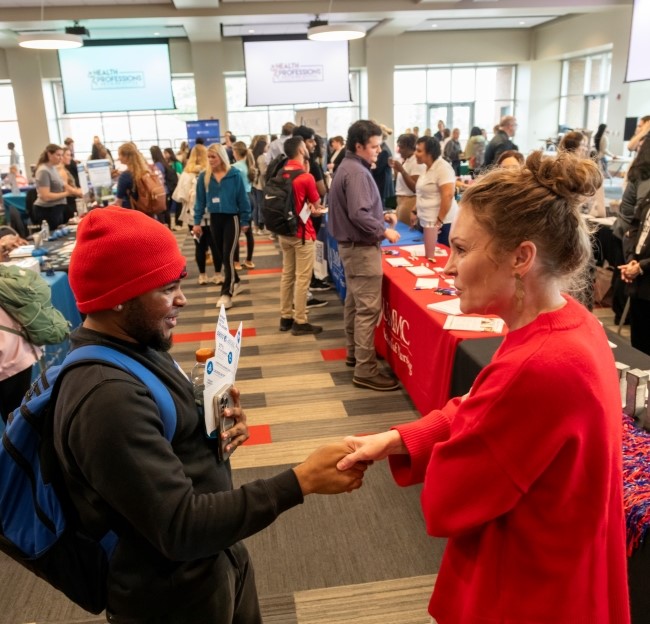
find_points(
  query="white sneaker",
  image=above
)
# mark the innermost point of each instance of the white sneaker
(225, 301)
(218, 280)
(236, 288)
(203, 279)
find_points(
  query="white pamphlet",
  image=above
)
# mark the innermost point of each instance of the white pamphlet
(221, 369)
(426, 283)
(475, 324)
(448, 306)
(305, 213)
(419, 270)
(414, 251)
(398, 262)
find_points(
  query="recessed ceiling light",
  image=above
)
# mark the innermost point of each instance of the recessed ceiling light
(522, 23)
(251, 31)
(434, 25)
(156, 34)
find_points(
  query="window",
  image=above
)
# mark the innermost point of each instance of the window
(9, 131)
(145, 128)
(584, 91)
(462, 97)
(247, 121)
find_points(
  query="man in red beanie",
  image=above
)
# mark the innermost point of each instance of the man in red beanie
(179, 559)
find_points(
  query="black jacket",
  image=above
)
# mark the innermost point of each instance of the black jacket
(500, 143)
(172, 505)
(640, 287)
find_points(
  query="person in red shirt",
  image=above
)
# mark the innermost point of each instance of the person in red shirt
(523, 474)
(298, 250)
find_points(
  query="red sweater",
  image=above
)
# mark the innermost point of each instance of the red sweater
(524, 477)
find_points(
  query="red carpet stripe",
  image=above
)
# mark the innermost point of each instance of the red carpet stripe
(260, 434)
(333, 354)
(247, 332)
(264, 271)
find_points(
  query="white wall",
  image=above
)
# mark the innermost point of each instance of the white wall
(590, 33)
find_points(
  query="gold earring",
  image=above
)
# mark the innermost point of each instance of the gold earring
(520, 292)
(119, 307)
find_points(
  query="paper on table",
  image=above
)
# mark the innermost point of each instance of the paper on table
(417, 251)
(441, 252)
(398, 262)
(420, 270)
(426, 283)
(22, 251)
(474, 323)
(449, 306)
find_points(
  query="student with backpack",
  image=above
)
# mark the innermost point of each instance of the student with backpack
(138, 187)
(159, 486)
(220, 191)
(297, 245)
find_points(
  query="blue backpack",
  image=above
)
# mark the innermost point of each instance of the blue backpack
(38, 524)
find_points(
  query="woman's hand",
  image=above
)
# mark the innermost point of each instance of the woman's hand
(238, 433)
(372, 447)
(630, 271)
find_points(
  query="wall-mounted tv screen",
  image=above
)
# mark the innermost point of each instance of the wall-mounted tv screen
(296, 71)
(111, 77)
(638, 63)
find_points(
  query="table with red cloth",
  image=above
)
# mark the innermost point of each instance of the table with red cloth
(411, 337)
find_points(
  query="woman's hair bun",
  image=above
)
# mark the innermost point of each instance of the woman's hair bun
(566, 175)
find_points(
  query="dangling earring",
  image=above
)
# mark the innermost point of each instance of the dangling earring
(519, 292)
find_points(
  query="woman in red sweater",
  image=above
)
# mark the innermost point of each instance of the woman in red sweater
(523, 474)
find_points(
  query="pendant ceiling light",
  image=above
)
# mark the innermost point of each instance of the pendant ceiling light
(48, 40)
(321, 30)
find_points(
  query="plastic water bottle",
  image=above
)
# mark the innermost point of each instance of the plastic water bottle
(197, 376)
(45, 231)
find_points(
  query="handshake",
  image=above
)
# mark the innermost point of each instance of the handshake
(340, 466)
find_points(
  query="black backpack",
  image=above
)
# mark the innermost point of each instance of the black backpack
(278, 207)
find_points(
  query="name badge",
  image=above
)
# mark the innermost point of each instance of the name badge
(216, 200)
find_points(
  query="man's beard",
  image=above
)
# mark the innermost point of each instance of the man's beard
(138, 326)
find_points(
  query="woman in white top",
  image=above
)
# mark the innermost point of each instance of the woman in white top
(435, 205)
(407, 172)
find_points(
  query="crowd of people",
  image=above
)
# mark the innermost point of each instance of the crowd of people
(534, 449)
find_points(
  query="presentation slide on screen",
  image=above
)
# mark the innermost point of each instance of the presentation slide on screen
(296, 71)
(114, 78)
(638, 60)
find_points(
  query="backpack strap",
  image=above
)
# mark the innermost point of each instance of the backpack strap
(159, 391)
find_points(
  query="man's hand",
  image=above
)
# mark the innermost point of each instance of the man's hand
(318, 474)
(391, 235)
(197, 231)
(238, 433)
(390, 217)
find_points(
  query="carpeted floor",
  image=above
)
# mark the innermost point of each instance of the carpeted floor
(362, 557)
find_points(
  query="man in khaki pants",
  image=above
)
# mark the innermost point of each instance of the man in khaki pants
(358, 222)
(298, 250)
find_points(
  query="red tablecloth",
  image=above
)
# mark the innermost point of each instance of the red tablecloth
(411, 337)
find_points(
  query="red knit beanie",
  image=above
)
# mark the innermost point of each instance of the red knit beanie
(121, 254)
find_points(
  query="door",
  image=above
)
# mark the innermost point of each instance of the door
(457, 115)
